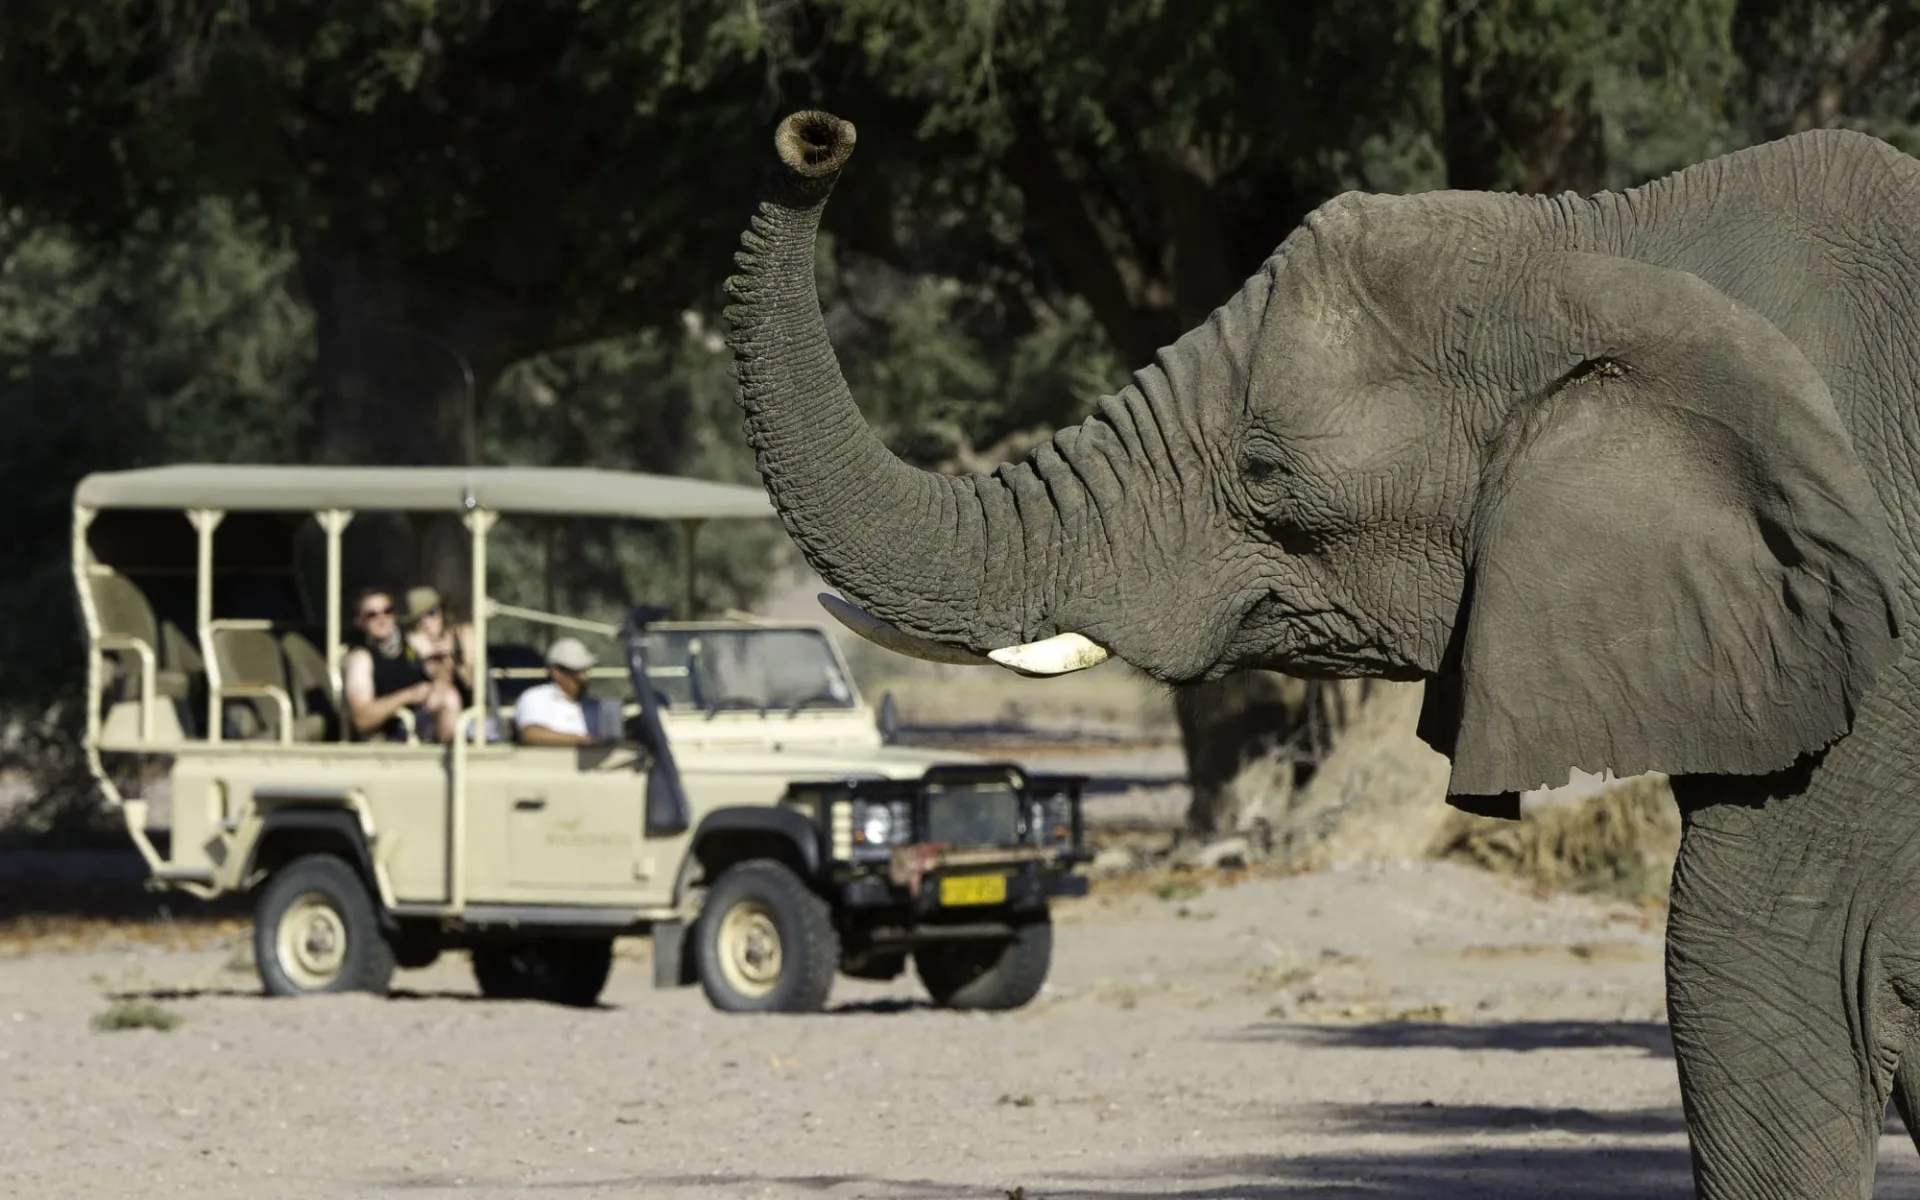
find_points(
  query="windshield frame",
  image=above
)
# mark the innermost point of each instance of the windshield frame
(664, 666)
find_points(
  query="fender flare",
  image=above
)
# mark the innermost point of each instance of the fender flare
(784, 823)
(335, 822)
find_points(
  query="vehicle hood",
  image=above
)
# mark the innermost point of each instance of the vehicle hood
(893, 762)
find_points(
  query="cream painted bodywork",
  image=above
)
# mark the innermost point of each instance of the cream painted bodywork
(541, 825)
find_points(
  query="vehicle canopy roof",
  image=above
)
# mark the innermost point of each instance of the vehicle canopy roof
(554, 491)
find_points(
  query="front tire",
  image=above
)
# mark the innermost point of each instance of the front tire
(315, 931)
(987, 975)
(764, 942)
(569, 971)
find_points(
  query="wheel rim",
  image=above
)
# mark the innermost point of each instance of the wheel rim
(750, 949)
(311, 942)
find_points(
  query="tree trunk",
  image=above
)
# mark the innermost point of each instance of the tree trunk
(402, 371)
(1225, 726)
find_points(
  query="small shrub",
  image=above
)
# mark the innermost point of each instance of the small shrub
(1619, 843)
(134, 1014)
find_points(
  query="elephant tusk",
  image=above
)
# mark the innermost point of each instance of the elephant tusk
(1056, 655)
(880, 633)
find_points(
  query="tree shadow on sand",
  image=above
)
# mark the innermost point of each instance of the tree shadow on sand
(1627, 1169)
(1515, 1036)
(1498, 1173)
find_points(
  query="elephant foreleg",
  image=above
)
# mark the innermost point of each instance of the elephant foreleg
(1906, 1093)
(1771, 1000)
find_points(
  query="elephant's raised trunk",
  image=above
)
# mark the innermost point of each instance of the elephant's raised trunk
(942, 557)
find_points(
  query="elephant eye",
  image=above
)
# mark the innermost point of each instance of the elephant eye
(1259, 466)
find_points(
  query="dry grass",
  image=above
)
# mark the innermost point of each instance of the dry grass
(74, 934)
(1620, 842)
(135, 1014)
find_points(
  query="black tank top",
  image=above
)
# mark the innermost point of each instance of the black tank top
(392, 674)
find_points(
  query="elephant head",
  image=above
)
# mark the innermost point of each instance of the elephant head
(1611, 514)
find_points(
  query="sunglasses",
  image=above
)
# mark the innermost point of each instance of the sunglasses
(368, 614)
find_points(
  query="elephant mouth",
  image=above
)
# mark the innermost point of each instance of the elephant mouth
(1310, 642)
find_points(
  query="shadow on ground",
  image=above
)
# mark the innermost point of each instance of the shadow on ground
(1563, 1172)
(1504, 1173)
(1451, 1119)
(1515, 1036)
(1628, 1169)
(98, 885)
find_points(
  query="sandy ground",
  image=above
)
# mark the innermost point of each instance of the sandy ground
(1421, 1032)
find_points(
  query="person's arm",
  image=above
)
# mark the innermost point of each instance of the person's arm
(463, 637)
(367, 711)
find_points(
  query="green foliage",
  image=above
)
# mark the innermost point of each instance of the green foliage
(123, 1015)
(526, 148)
(944, 365)
(170, 343)
(658, 402)
(1231, 78)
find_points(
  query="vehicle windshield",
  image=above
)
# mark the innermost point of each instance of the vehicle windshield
(715, 670)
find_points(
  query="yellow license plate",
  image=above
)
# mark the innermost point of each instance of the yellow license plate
(973, 889)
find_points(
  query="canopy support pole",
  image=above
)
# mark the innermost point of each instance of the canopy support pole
(205, 521)
(691, 527)
(480, 522)
(334, 521)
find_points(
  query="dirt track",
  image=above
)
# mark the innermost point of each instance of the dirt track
(1425, 1033)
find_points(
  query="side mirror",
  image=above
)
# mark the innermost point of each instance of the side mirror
(888, 719)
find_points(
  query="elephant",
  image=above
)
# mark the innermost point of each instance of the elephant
(1628, 480)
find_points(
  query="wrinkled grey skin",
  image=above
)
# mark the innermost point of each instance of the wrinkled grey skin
(1630, 480)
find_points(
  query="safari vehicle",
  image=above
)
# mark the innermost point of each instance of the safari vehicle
(741, 808)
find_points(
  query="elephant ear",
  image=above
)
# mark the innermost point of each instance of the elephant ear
(1675, 562)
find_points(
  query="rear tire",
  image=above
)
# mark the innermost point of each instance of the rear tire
(764, 942)
(315, 931)
(987, 975)
(569, 971)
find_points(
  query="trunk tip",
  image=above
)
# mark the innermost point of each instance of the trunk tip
(814, 144)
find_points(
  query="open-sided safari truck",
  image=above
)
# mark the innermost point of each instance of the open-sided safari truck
(741, 807)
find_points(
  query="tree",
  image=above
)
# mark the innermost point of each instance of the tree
(1815, 63)
(465, 184)
(157, 346)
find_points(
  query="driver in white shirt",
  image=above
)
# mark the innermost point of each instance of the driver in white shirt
(550, 713)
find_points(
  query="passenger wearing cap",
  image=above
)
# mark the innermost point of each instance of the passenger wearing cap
(551, 714)
(445, 650)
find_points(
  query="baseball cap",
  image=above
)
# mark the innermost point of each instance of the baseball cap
(421, 601)
(569, 654)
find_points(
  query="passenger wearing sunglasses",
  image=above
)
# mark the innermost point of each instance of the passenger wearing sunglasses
(383, 674)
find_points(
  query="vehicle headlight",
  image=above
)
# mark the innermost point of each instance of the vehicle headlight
(882, 824)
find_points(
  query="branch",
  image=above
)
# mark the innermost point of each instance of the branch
(1839, 92)
(1063, 214)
